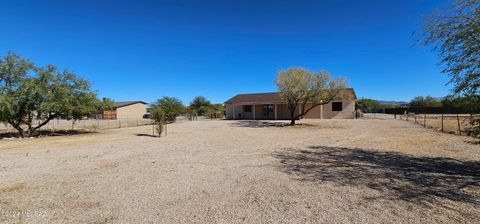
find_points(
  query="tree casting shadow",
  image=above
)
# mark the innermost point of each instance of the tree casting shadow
(147, 135)
(43, 133)
(396, 175)
(260, 123)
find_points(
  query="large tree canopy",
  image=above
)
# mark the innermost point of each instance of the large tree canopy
(215, 111)
(300, 87)
(31, 96)
(455, 34)
(200, 104)
(171, 106)
(365, 103)
(425, 101)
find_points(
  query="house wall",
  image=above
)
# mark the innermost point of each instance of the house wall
(348, 109)
(314, 113)
(282, 112)
(238, 110)
(132, 111)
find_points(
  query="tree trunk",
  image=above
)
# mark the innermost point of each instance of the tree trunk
(42, 124)
(30, 132)
(21, 132)
(292, 117)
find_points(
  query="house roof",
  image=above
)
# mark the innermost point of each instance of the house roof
(127, 103)
(273, 97)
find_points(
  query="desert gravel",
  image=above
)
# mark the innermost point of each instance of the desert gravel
(323, 171)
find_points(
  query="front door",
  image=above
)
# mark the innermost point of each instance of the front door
(267, 112)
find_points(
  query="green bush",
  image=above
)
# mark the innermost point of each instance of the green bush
(474, 129)
(158, 116)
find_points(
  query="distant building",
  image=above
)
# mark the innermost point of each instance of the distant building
(124, 110)
(271, 106)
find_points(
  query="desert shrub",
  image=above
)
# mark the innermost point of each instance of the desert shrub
(158, 116)
(474, 128)
(215, 111)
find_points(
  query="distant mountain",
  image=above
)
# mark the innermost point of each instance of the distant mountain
(392, 102)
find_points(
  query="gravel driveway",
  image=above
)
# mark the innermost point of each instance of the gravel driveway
(329, 171)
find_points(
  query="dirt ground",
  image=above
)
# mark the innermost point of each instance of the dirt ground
(327, 171)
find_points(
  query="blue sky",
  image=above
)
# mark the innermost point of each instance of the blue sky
(142, 50)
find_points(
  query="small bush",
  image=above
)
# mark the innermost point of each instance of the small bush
(474, 129)
(158, 116)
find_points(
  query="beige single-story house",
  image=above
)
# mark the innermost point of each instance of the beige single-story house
(271, 106)
(124, 110)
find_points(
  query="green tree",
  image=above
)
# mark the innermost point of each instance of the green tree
(200, 104)
(425, 101)
(454, 33)
(191, 113)
(389, 105)
(215, 111)
(365, 103)
(300, 87)
(106, 104)
(31, 96)
(171, 106)
(464, 104)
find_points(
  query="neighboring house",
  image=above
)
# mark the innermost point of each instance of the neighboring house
(271, 106)
(124, 110)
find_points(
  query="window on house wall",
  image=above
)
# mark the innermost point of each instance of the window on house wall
(337, 106)
(247, 108)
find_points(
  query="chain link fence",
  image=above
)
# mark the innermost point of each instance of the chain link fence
(88, 124)
(444, 122)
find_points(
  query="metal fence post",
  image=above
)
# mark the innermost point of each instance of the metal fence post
(458, 123)
(442, 122)
(425, 120)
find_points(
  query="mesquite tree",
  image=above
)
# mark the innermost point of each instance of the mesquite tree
(200, 104)
(171, 106)
(31, 96)
(454, 33)
(300, 87)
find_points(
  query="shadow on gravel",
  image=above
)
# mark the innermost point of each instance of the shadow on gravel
(146, 135)
(259, 124)
(44, 133)
(396, 175)
(475, 142)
